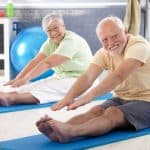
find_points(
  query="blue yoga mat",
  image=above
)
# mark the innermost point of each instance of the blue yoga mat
(23, 107)
(35, 106)
(40, 142)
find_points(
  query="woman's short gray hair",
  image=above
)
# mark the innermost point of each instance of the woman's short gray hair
(112, 19)
(51, 17)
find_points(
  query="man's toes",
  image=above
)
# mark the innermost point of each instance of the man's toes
(38, 123)
(45, 128)
(45, 118)
(47, 131)
(42, 119)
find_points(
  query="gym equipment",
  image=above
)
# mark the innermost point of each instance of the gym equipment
(26, 46)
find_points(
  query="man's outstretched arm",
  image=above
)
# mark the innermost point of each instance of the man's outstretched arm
(84, 82)
(113, 79)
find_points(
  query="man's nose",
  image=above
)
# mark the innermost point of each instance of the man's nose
(110, 41)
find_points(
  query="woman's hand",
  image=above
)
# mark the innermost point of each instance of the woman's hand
(19, 82)
(9, 82)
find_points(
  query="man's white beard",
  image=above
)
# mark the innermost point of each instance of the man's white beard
(115, 52)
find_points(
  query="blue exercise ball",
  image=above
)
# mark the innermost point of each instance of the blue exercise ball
(26, 46)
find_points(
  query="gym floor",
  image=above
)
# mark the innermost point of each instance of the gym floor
(22, 124)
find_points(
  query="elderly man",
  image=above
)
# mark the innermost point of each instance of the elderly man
(127, 58)
(64, 51)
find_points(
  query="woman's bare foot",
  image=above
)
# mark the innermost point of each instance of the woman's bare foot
(62, 130)
(4, 101)
(44, 127)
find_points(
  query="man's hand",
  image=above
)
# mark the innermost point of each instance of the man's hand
(62, 103)
(78, 103)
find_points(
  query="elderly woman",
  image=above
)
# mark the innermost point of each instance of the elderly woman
(64, 51)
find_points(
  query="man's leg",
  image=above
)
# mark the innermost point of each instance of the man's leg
(46, 129)
(92, 113)
(112, 118)
(11, 98)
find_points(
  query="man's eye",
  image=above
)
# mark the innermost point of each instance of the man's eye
(105, 40)
(114, 36)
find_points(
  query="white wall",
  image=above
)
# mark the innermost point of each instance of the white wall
(38, 2)
(64, 1)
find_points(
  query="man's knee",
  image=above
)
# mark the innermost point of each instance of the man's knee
(97, 110)
(115, 115)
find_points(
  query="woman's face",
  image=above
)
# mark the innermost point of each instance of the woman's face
(56, 31)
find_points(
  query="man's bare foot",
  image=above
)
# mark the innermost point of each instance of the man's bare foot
(4, 101)
(44, 127)
(62, 130)
(43, 119)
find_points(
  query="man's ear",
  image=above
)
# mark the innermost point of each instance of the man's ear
(126, 30)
